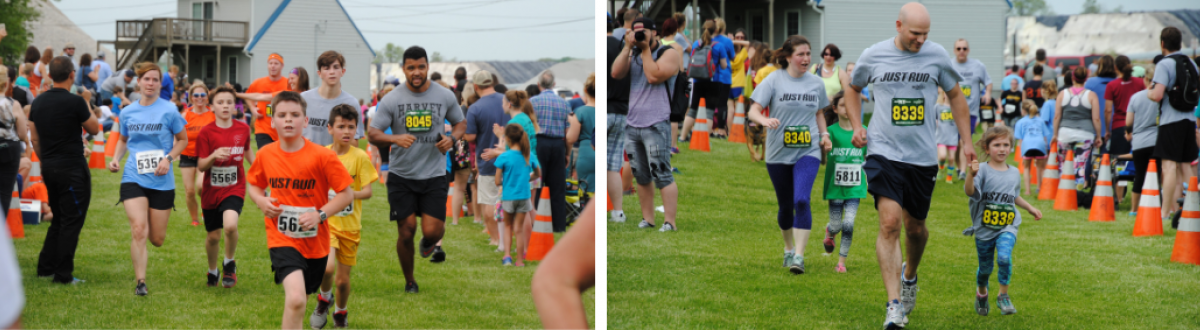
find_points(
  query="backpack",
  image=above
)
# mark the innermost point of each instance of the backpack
(1186, 93)
(678, 100)
(701, 67)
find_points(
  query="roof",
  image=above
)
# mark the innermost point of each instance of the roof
(279, 10)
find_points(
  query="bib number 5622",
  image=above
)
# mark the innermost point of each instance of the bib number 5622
(288, 222)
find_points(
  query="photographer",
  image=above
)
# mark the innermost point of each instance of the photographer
(651, 68)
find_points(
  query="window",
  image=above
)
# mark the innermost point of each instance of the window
(232, 77)
(757, 27)
(200, 11)
(792, 23)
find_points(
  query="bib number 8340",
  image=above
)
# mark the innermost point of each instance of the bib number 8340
(797, 137)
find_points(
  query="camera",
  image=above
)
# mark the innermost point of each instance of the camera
(640, 36)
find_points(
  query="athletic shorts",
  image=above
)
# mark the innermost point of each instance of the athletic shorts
(1034, 154)
(214, 219)
(1118, 145)
(948, 147)
(907, 184)
(517, 206)
(701, 89)
(1177, 142)
(407, 197)
(1141, 163)
(616, 143)
(489, 192)
(735, 93)
(285, 260)
(188, 161)
(159, 199)
(346, 243)
(263, 139)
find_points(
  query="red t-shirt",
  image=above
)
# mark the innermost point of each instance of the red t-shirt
(300, 181)
(1120, 92)
(226, 178)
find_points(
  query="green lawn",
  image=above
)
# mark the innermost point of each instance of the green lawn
(469, 290)
(723, 268)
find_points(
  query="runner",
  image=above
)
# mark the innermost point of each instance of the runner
(947, 138)
(515, 169)
(1010, 100)
(220, 148)
(1176, 144)
(197, 115)
(152, 131)
(974, 76)
(416, 180)
(298, 80)
(1078, 126)
(331, 66)
(829, 71)
(793, 150)
(844, 186)
(1035, 142)
(1142, 120)
(344, 227)
(994, 189)
(261, 91)
(901, 158)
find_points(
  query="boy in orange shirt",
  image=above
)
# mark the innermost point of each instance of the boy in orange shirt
(299, 174)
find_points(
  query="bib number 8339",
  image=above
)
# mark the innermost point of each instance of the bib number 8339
(908, 112)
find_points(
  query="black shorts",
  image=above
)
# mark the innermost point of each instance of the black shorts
(1141, 163)
(721, 93)
(1177, 142)
(285, 260)
(700, 90)
(214, 219)
(263, 139)
(407, 197)
(159, 199)
(907, 184)
(188, 161)
(1118, 145)
(1034, 153)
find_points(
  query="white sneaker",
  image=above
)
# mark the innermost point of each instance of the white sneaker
(667, 226)
(895, 316)
(645, 224)
(617, 216)
(660, 209)
(908, 292)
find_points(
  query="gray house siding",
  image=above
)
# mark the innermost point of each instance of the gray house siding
(223, 10)
(294, 36)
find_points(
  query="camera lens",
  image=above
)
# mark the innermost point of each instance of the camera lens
(639, 36)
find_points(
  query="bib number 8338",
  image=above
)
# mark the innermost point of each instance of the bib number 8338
(997, 216)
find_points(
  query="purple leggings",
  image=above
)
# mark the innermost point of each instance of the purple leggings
(793, 188)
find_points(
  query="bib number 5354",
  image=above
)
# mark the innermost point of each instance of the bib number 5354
(147, 161)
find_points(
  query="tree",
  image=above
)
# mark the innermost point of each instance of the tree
(14, 14)
(391, 53)
(1092, 7)
(1031, 7)
(436, 57)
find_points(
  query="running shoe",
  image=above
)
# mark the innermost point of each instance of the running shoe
(895, 316)
(75, 281)
(645, 224)
(212, 279)
(1005, 304)
(339, 319)
(981, 305)
(411, 287)
(230, 278)
(675, 170)
(618, 217)
(1175, 219)
(195, 223)
(908, 291)
(439, 255)
(828, 242)
(141, 289)
(667, 226)
(797, 265)
(674, 150)
(320, 314)
(507, 261)
(427, 250)
(841, 268)
(787, 259)
(1133, 213)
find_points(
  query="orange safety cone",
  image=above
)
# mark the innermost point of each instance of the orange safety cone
(1033, 170)
(110, 146)
(1103, 207)
(1187, 239)
(1049, 187)
(541, 239)
(35, 171)
(97, 160)
(16, 224)
(1017, 158)
(1065, 199)
(700, 130)
(1149, 221)
(737, 133)
(609, 198)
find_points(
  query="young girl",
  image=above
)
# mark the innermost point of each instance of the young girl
(947, 137)
(844, 181)
(1035, 140)
(513, 169)
(995, 221)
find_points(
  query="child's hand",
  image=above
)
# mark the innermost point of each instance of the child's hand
(1037, 214)
(497, 130)
(974, 167)
(826, 145)
(221, 153)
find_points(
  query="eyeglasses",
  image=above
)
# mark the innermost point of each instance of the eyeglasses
(960, 48)
(200, 95)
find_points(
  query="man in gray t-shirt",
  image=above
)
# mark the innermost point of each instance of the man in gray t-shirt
(417, 168)
(1176, 145)
(905, 72)
(975, 79)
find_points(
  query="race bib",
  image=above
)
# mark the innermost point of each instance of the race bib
(418, 120)
(223, 176)
(997, 216)
(847, 175)
(797, 137)
(1010, 108)
(288, 222)
(270, 111)
(348, 211)
(987, 113)
(946, 115)
(966, 91)
(147, 161)
(908, 112)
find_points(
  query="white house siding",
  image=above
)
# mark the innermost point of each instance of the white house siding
(292, 36)
(223, 10)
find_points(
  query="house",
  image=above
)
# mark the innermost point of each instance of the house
(221, 41)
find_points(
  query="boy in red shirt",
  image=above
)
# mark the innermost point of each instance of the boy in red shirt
(221, 147)
(299, 174)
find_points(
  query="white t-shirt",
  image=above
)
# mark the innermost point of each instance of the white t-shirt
(10, 281)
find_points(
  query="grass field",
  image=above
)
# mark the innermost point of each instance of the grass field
(723, 268)
(469, 290)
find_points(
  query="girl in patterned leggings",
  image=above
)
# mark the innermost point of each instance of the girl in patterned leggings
(844, 183)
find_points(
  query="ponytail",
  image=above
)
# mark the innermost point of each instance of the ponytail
(520, 100)
(515, 133)
(710, 29)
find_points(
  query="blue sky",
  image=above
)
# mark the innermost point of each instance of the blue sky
(1068, 7)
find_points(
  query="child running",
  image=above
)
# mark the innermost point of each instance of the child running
(344, 226)
(995, 220)
(513, 169)
(221, 147)
(299, 174)
(947, 138)
(1035, 139)
(844, 183)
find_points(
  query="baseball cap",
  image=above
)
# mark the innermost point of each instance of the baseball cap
(100, 54)
(69, 45)
(482, 78)
(1139, 71)
(647, 23)
(130, 74)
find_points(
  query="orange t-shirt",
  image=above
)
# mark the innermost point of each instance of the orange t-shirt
(194, 123)
(36, 191)
(300, 179)
(265, 85)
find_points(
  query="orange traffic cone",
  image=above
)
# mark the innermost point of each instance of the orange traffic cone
(609, 198)
(1033, 170)
(35, 171)
(1187, 239)
(1149, 221)
(16, 225)
(1102, 201)
(737, 133)
(700, 130)
(97, 160)
(1017, 157)
(110, 146)
(541, 239)
(1065, 199)
(1049, 187)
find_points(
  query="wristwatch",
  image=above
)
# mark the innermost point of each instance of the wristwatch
(322, 214)
(168, 158)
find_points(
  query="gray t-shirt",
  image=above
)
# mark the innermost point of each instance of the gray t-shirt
(947, 132)
(974, 82)
(994, 204)
(1145, 121)
(903, 84)
(794, 101)
(421, 115)
(1048, 73)
(1164, 74)
(318, 115)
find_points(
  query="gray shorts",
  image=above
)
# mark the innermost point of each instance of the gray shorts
(708, 112)
(616, 142)
(650, 154)
(517, 206)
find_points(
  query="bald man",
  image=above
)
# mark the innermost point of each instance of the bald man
(906, 72)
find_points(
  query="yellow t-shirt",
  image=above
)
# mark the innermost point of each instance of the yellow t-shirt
(739, 68)
(763, 73)
(363, 174)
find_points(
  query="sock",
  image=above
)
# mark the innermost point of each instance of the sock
(618, 214)
(338, 309)
(793, 251)
(227, 261)
(327, 294)
(908, 281)
(212, 271)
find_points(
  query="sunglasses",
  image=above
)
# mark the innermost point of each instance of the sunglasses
(960, 48)
(200, 95)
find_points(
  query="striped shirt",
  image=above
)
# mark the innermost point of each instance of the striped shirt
(552, 112)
